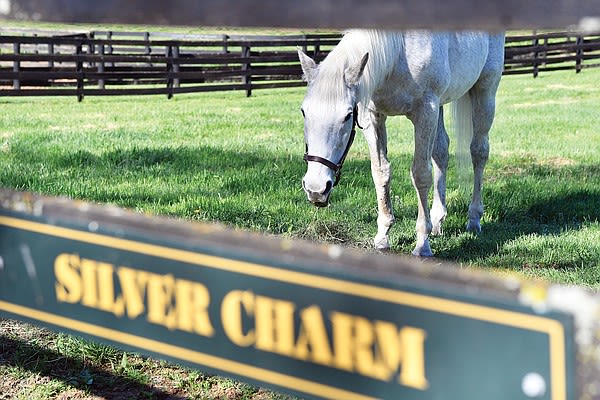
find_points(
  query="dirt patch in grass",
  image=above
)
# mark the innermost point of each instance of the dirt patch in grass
(558, 162)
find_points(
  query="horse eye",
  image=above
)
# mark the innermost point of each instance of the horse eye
(347, 117)
(302, 111)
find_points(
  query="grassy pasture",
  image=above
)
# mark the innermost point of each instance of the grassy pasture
(224, 157)
(236, 160)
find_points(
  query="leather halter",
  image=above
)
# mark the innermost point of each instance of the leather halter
(337, 168)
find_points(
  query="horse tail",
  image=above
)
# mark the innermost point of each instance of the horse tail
(462, 116)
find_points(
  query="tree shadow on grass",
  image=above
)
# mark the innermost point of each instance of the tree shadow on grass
(536, 203)
(543, 200)
(76, 372)
(520, 200)
(141, 174)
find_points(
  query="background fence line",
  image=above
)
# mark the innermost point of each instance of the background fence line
(137, 63)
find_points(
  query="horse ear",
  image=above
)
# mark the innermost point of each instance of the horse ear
(309, 67)
(353, 73)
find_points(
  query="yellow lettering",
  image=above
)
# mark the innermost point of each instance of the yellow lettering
(176, 304)
(406, 347)
(88, 278)
(376, 349)
(231, 316)
(97, 281)
(366, 363)
(274, 325)
(106, 287)
(313, 342)
(343, 346)
(354, 340)
(133, 286)
(159, 297)
(192, 301)
(68, 286)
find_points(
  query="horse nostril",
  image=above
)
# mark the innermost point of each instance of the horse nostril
(318, 195)
(328, 187)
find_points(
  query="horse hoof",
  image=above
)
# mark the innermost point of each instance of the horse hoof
(437, 219)
(382, 244)
(422, 251)
(474, 226)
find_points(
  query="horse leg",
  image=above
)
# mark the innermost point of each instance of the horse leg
(483, 106)
(425, 119)
(440, 166)
(376, 136)
(483, 103)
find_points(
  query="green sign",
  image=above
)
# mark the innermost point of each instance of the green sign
(314, 326)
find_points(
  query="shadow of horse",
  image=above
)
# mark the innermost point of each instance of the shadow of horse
(537, 199)
(540, 201)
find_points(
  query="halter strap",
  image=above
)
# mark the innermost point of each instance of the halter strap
(337, 168)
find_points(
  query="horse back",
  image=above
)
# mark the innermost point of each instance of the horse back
(444, 64)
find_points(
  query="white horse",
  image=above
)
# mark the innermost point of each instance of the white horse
(372, 74)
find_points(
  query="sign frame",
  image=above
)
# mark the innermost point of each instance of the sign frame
(345, 274)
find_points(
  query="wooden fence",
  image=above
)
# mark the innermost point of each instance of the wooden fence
(127, 63)
(551, 51)
(135, 63)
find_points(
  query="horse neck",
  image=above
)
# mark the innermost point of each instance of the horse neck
(383, 47)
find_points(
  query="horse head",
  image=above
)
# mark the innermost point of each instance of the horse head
(330, 116)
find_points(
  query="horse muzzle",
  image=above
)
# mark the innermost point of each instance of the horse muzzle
(319, 197)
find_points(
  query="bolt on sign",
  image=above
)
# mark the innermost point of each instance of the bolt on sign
(315, 321)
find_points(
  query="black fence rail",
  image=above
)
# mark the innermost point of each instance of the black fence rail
(136, 63)
(551, 51)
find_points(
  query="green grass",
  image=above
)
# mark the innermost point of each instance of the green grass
(82, 27)
(224, 157)
(236, 160)
(37, 364)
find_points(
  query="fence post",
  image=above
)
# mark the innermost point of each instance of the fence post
(536, 43)
(169, 65)
(51, 54)
(110, 49)
(91, 49)
(16, 66)
(175, 67)
(147, 48)
(79, 68)
(579, 53)
(246, 68)
(225, 44)
(225, 50)
(101, 82)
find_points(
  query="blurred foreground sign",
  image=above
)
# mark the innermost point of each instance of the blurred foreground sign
(317, 321)
(328, 14)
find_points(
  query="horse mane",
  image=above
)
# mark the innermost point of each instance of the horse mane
(383, 48)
